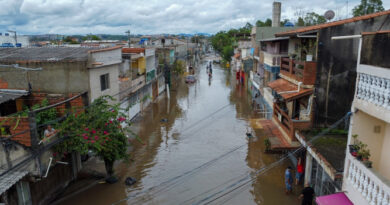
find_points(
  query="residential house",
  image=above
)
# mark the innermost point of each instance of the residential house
(10, 40)
(320, 75)
(64, 70)
(366, 183)
(29, 171)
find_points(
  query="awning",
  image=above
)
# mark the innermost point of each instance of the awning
(334, 199)
(9, 94)
(288, 91)
(9, 179)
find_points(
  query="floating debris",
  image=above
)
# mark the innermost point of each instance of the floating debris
(130, 181)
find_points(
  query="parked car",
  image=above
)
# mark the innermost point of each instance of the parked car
(216, 61)
(190, 79)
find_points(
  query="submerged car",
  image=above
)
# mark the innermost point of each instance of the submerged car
(190, 79)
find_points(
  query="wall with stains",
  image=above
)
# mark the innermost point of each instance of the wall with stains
(336, 68)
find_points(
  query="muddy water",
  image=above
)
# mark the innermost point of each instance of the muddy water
(199, 154)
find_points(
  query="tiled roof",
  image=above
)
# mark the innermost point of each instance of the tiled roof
(334, 23)
(282, 87)
(9, 179)
(375, 32)
(133, 50)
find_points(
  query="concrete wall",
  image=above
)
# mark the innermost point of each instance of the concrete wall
(376, 134)
(336, 68)
(384, 161)
(55, 77)
(24, 40)
(94, 81)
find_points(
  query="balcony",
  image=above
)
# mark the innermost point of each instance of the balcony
(289, 125)
(373, 95)
(364, 185)
(301, 71)
(273, 59)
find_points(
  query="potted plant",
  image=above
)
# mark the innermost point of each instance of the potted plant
(354, 148)
(366, 154)
(267, 144)
(368, 163)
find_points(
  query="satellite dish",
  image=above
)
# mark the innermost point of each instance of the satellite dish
(329, 15)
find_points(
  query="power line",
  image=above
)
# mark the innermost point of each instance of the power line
(243, 181)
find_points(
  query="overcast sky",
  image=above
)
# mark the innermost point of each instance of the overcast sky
(150, 16)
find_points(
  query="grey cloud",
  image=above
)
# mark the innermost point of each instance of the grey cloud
(153, 16)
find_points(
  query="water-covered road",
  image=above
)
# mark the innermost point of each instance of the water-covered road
(200, 155)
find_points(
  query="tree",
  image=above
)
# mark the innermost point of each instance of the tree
(227, 53)
(99, 129)
(367, 7)
(266, 23)
(313, 18)
(300, 22)
(91, 37)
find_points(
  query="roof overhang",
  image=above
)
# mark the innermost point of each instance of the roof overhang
(289, 91)
(9, 179)
(275, 39)
(10, 94)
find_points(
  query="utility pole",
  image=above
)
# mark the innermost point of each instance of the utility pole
(14, 32)
(128, 36)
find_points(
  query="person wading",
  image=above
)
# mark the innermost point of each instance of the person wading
(299, 174)
(307, 195)
(288, 179)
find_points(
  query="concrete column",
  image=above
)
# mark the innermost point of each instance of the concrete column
(309, 164)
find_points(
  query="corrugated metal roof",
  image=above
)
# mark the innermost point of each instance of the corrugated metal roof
(330, 24)
(45, 54)
(9, 179)
(7, 94)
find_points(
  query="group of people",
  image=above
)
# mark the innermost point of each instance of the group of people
(307, 193)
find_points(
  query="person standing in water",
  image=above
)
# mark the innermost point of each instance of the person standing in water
(288, 179)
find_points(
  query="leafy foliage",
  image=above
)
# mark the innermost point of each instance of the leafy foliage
(178, 67)
(99, 129)
(266, 23)
(91, 37)
(313, 18)
(368, 7)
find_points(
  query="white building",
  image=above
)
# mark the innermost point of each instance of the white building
(8, 39)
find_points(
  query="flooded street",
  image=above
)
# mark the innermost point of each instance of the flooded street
(200, 154)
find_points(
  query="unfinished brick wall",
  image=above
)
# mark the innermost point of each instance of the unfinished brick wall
(17, 125)
(3, 84)
(14, 125)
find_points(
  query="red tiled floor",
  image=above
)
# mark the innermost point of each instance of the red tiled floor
(278, 142)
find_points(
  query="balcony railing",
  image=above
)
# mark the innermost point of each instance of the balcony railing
(273, 59)
(374, 89)
(289, 125)
(284, 120)
(367, 183)
(303, 71)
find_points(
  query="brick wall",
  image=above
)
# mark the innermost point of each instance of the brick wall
(3, 84)
(21, 123)
(16, 125)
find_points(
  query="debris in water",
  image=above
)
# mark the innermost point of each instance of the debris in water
(112, 180)
(164, 120)
(130, 181)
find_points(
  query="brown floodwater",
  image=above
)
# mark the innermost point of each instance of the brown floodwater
(200, 155)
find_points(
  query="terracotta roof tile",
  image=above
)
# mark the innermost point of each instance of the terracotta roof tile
(334, 23)
(133, 50)
(281, 86)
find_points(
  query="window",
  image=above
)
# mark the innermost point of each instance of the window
(104, 82)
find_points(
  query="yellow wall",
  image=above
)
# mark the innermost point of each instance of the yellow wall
(142, 65)
(139, 64)
(363, 126)
(384, 163)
